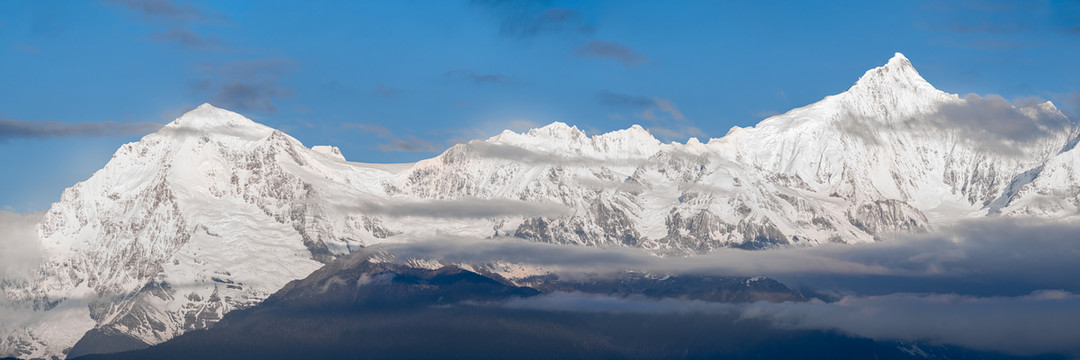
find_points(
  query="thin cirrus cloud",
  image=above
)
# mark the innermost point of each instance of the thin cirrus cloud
(22, 129)
(383, 90)
(481, 78)
(409, 143)
(180, 16)
(393, 142)
(623, 100)
(667, 120)
(245, 84)
(619, 53)
(163, 10)
(651, 108)
(187, 38)
(524, 19)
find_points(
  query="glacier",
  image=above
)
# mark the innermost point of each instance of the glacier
(215, 212)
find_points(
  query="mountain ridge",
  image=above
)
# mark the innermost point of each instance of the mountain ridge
(214, 212)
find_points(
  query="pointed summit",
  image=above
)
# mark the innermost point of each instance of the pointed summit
(209, 118)
(899, 59)
(896, 75)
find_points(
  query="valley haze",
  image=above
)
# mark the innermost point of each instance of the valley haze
(893, 213)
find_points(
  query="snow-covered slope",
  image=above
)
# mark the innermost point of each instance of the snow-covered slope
(214, 212)
(210, 214)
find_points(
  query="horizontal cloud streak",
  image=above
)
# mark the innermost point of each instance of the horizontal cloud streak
(464, 208)
(994, 256)
(14, 129)
(519, 154)
(613, 51)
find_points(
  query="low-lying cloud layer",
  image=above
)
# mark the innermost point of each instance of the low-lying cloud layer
(1037, 323)
(993, 116)
(990, 123)
(1000, 284)
(464, 208)
(986, 257)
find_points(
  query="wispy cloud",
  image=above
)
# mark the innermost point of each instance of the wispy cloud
(26, 48)
(378, 130)
(187, 38)
(526, 19)
(611, 51)
(652, 108)
(667, 120)
(989, 122)
(523, 155)
(463, 208)
(245, 84)
(679, 132)
(394, 142)
(409, 143)
(22, 129)
(163, 9)
(382, 90)
(670, 109)
(623, 100)
(994, 116)
(481, 78)
(179, 17)
(20, 248)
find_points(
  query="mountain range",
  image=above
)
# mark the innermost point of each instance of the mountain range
(215, 213)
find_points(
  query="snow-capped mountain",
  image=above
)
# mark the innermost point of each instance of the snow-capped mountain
(215, 212)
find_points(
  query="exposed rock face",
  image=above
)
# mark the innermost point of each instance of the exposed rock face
(215, 212)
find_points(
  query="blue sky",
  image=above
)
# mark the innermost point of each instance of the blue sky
(401, 81)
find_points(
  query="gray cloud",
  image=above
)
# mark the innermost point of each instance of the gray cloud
(480, 78)
(990, 123)
(162, 9)
(668, 122)
(409, 143)
(612, 51)
(995, 118)
(245, 84)
(26, 48)
(464, 208)
(526, 19)
(406, 143)
(22, 129)
(677, 133)
(383, 90)
(187, 38)
(376, 129)
(623, 100)
(20, 248)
